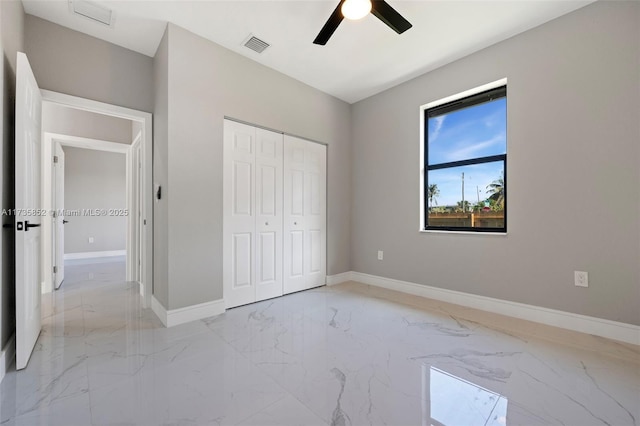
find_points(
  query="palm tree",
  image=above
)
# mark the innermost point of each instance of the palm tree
(432, 194)
(496, 189)
(463, 206)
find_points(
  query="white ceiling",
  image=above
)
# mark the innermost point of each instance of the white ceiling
(362, 58)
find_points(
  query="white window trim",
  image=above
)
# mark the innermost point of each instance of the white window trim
(466, 93)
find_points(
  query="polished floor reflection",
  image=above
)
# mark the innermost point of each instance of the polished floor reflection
(344, 355)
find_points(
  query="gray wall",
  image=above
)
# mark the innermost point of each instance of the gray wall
(70, 62)
(94, 180)
(573, 171)
(160, 172)
(11, 41)
(205, 83)
(75, 122)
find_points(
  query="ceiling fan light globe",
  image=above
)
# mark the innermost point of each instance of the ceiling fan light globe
(355, 9)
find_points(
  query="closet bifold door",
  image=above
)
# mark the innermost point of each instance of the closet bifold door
(252, 200)
(304, 214)
(268, 229)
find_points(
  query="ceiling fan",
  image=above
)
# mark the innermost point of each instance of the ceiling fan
(357, 9)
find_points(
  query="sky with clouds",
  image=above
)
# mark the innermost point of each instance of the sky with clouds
(478, 131)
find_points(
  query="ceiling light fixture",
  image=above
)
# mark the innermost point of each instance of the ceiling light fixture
(356, 9)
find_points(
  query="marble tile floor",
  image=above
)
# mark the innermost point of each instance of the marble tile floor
(344, 355)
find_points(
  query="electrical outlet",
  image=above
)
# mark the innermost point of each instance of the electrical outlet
(380, 254)
(90, 240)
(581, 278)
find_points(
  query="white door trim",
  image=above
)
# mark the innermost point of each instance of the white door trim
(87, 143)
(56, 220)
(132, 206)
(146, 144)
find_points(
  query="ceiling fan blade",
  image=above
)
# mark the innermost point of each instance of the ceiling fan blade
(384, 12)
(330, 26)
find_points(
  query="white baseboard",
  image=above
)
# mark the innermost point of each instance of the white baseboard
(94, 254)
(179, 316)
(628, 333)
(7, 356)
(339, 278)
(159, 310)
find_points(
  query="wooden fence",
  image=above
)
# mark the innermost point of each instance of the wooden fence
(467, 220)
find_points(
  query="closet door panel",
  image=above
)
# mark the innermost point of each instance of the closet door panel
(242, 189)
(315, 253)
(269, 209)
(305, 217)
(241, 256)
(296, 249)
(267, 258)
(239, 214)
(294, 214)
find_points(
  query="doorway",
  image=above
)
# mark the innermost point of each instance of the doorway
(94, 196)
(137, 209)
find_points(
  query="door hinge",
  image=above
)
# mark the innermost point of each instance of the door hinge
(55, 269)
(55, 158)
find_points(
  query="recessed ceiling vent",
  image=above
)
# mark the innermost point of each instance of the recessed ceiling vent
(94, 11)
(255, 44)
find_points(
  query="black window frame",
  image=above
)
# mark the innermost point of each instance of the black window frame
(456, 105)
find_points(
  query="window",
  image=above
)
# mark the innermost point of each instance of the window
(465, 162)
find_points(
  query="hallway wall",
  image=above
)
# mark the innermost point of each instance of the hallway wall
(94, 180)
(76, 64)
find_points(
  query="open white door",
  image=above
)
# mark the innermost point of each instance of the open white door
(28, 217)
(58, 203)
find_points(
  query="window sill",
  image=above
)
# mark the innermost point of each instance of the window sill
(433, 231)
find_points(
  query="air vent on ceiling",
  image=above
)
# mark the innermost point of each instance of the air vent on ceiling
(255, 44)
(93, 11)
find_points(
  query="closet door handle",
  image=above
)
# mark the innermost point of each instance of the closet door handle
(266, 223)
(295, 223)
